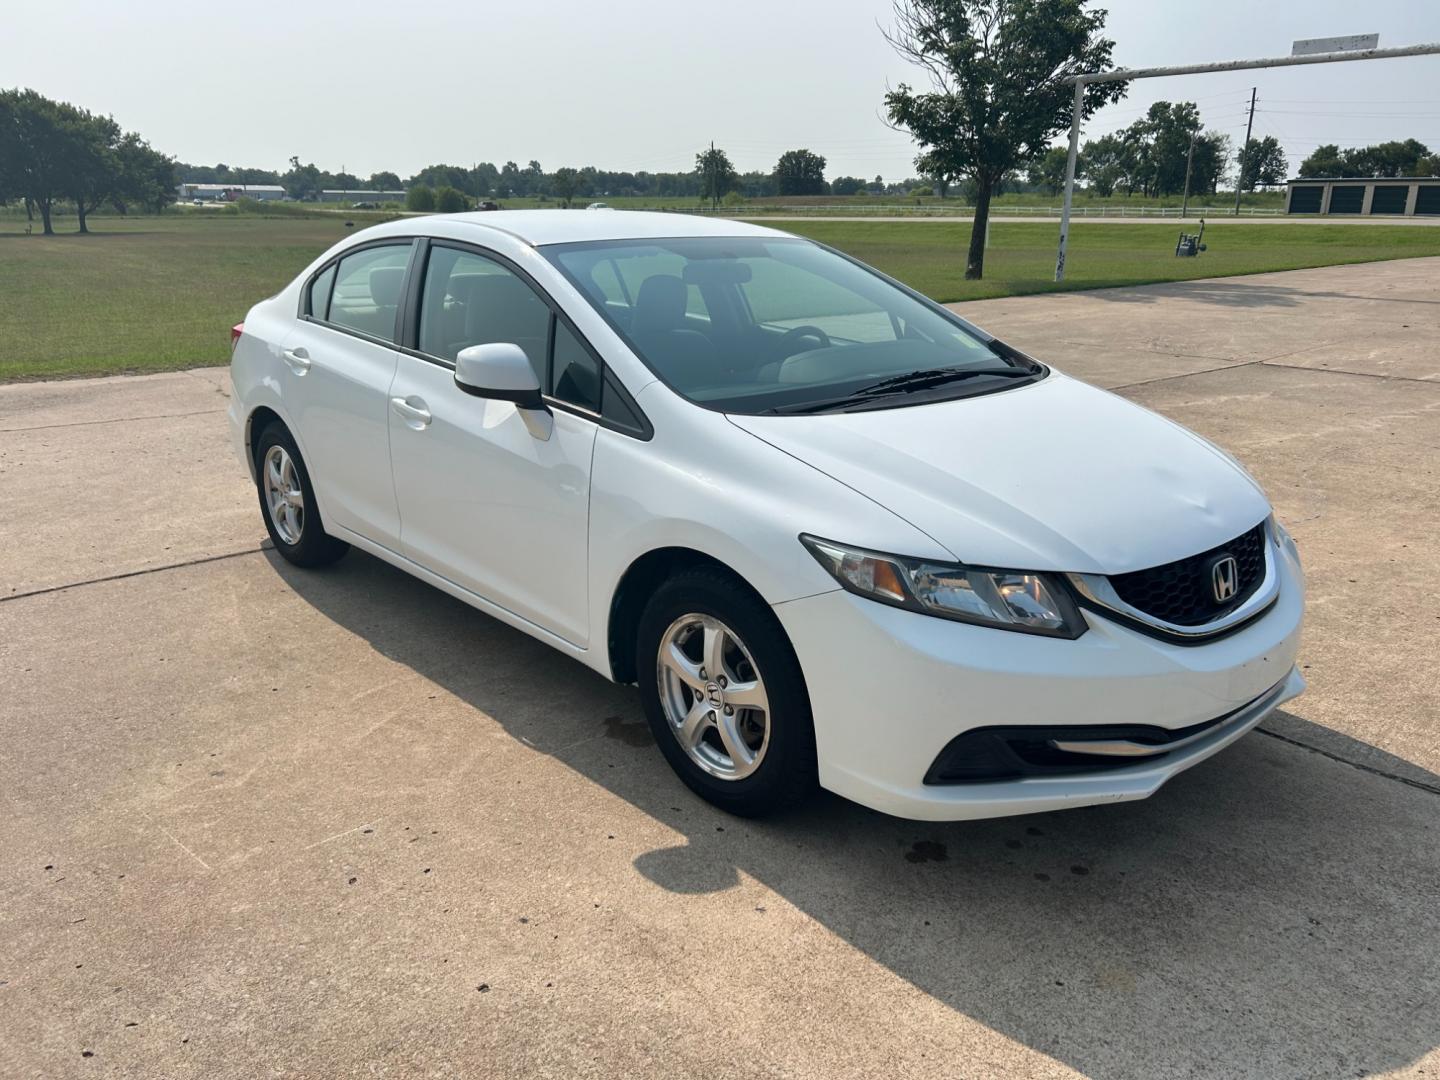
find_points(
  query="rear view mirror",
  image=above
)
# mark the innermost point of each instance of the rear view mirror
(716, 272)
(501, 371)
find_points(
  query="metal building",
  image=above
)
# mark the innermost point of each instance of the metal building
(1391, 195)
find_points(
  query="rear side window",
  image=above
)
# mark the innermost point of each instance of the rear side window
(471, 300)
(368, 290)
(320, 293)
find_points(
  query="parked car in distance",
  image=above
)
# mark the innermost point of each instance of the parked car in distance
(836, 534)
(598, 206)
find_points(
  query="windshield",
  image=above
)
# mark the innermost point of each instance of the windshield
(760, 324)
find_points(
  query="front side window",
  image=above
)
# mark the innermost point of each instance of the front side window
(755, 324)
(367, 290)
(471, 300)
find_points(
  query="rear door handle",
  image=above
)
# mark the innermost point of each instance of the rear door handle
(298, 360)
(412, 410)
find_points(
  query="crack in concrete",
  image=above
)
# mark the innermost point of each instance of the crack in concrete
(1433, 789)
(111, 420)
(264, 546)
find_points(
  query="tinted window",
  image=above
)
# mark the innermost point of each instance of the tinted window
(576, 372)
(748, 324)
(471, 300)
(320, 292)
(368, 288)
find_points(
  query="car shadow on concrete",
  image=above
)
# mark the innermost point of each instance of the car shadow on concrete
(1270, 912)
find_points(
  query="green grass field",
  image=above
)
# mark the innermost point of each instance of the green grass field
(158, 293)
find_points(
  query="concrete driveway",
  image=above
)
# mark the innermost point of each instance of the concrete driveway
(266, 822)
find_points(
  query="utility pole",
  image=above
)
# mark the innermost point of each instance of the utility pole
(1189, 157)
(1244, 153)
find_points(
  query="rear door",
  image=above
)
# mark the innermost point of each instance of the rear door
(340, 360)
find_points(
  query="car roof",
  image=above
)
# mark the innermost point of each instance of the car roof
(540, 227)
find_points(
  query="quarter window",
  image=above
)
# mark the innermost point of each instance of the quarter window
(576, 372)
(320, 292)
(368, 289)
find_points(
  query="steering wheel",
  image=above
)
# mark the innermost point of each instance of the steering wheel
(799, 332)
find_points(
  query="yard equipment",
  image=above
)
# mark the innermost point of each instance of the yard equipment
(1189, 244)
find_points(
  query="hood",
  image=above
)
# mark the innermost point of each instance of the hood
(1055, 475)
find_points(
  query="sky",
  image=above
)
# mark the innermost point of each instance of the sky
(369, 85)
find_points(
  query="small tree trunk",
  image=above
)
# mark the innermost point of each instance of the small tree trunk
(45, 217)
(975, 260)
(29, 208)
(80, 212)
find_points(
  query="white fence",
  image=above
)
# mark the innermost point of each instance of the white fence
(912, 210)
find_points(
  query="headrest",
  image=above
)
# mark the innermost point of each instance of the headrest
(385, 283)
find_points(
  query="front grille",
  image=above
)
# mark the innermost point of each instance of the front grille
(1181, 592)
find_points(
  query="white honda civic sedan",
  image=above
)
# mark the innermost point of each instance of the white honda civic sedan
(836, 534)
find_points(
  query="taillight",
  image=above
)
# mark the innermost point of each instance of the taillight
(235, 332)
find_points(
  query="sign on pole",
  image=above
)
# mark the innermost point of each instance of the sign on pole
(1351, 43)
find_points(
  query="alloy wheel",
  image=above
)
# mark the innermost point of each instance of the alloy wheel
(713, 697)
(284, 496)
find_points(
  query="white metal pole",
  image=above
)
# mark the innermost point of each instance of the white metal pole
(1126, 74)
(1069, 179)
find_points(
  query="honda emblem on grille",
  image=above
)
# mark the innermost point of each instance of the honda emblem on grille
(1224, 578)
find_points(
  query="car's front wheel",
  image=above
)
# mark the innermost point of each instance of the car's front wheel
(287, 501)
(724, 694)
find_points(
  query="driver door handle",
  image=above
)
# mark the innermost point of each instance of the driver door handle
(412, 410)
(298, 360)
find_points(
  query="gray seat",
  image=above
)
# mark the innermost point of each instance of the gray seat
(659, 327)
(491, 308)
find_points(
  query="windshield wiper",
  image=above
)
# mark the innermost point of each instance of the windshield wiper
(900, 384)
(921, 380)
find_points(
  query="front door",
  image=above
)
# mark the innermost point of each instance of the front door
(484, 501)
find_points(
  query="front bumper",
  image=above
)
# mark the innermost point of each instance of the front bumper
(890, 688)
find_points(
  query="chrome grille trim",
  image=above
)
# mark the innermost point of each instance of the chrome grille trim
(1096, 592)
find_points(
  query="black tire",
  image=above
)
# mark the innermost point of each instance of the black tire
(786, 773)
(314, 547)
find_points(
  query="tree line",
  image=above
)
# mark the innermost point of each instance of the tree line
(52, 151)
(797, 172)
(1154, 155)
(1408, 158)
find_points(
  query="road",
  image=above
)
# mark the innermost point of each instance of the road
(260, 821)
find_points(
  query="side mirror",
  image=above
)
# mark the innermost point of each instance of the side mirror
(499, 371)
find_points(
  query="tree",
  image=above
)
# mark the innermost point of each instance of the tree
(421, 199)
(1210, 167)
(146, 176)
(1048, 170)
(92, 172)
(383, 181)
(717, 175)
(302, 181)
(1325, 161)
(847, 185)
(449, 200)
(565, 184)
(1105, 164)
(799, 172)
(1263, 163)
(40, 141)
(998, 96)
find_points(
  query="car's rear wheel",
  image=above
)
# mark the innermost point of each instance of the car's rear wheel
(287, 501)
(724, 694)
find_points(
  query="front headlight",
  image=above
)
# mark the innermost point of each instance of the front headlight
(1005, 599)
